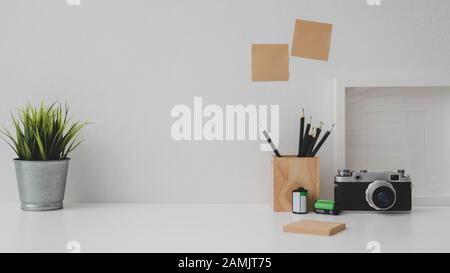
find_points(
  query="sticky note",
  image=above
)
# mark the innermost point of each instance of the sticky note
(270, 62)
(314, 227)
(311, 40)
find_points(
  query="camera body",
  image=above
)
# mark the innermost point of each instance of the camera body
(373, 191)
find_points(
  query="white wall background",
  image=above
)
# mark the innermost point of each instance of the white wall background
(125, 63)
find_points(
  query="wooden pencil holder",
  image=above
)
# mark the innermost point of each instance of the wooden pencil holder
(291, 172)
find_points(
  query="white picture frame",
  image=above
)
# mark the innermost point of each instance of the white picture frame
(338, 101)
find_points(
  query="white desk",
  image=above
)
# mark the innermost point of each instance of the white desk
(131, 227)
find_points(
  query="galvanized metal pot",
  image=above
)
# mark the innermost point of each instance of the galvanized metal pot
(41, 183)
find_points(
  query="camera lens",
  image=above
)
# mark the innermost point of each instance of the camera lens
(383, 197)
(380, 195)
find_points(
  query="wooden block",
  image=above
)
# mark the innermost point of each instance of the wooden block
(291, 172)
(311, 40)
(270, 62)
(314, 227)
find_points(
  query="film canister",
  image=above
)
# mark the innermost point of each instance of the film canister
(299, 201)
(326, 207)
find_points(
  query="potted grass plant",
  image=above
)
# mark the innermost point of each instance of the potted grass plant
(44, 137)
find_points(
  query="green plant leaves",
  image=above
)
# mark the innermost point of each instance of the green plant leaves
(44, 133)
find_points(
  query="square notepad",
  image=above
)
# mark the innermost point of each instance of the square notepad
(270, 62)
(314, 227)
(311, 40)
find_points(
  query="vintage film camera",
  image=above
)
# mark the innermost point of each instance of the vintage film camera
(372, 191)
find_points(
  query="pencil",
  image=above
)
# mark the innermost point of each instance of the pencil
(308, 139)
(306, 136)
(302, 127)
(316, 137)
(269, 140)
(322, 140)
(311, 142)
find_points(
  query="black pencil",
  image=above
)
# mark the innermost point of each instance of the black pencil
(269, 140)
(302, 127)
(307, 142)
(322, 140)
(306, 136)
(316, 137)
(308, 126)
(311, 141)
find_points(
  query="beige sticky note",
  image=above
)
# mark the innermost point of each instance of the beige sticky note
(311, 40)
(314, 227)
(270, 62)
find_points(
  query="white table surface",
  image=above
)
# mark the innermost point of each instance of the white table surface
(134, 227)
